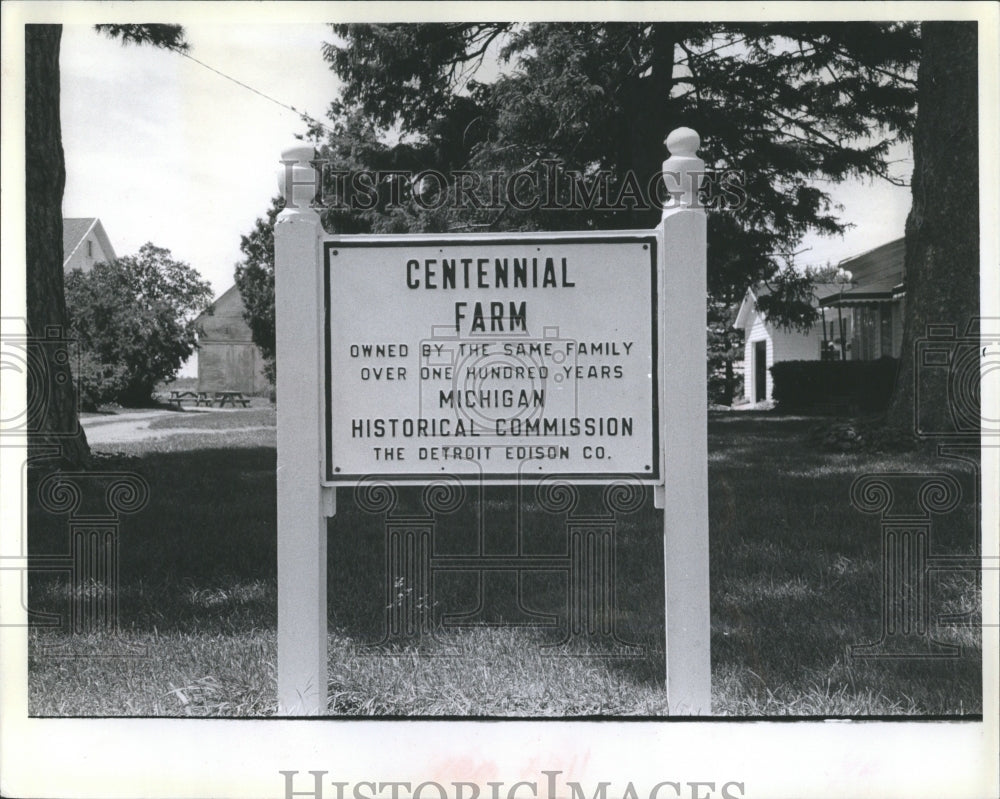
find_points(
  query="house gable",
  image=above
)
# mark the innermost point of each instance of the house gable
(85, 243)
(223, 321)
(747, 309)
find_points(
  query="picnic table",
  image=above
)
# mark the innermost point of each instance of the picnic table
(231, 397)
(198, 397)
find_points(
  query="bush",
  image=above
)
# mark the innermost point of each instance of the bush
(834, 386)
(97, 383)
(134, 322)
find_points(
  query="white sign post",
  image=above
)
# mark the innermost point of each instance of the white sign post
(497, 358)
(684, 495)
(302, 620)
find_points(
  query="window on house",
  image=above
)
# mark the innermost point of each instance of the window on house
(90, 248)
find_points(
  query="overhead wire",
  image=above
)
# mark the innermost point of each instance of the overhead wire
(302, 114)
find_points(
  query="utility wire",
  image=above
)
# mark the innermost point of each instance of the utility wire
(302, 114)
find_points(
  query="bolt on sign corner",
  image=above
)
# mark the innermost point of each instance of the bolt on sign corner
(500, 357)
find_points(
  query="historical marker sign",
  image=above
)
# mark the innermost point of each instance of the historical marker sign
(499, 358)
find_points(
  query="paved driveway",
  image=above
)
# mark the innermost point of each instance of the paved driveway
(126, 427)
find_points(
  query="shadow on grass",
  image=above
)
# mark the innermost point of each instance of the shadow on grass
(469, 590)
(796, 575)
(199, 556)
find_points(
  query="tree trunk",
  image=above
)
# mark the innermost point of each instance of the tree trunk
(942, 229)
(650, 150)
(52, 414)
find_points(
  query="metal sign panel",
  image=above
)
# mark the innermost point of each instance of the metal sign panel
(502, 358)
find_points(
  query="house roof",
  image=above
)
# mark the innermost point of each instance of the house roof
(884, 290)
(887, 257)
(878, 276)
(749, 304)
(230, 300)
(75, 232)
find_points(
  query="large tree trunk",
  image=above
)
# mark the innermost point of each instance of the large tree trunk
(646, 119)
(649, 152)
(942, 229)
(52, 415)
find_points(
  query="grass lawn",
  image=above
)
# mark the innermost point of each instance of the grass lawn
(796, 578)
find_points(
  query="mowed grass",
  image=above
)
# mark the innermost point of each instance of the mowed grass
(796, 579)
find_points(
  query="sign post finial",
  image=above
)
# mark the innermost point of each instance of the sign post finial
(298, 179)
(683, 170)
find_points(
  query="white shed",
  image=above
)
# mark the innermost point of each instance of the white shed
(765, 344)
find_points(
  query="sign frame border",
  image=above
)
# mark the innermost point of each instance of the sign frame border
(652, 237)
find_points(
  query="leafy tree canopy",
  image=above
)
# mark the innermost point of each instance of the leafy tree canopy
(255, 281)
(134, 321)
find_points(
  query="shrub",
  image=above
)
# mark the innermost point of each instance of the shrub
(837, 386)
(134, 322)
(97, 383)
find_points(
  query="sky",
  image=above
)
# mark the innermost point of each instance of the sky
(162, 149)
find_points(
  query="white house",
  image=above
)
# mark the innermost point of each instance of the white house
(765, 344)
(859, 320)
(85, 243)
